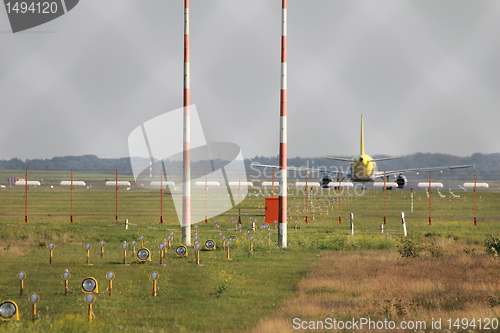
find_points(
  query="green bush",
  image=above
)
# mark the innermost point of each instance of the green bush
(409, 247)
(492, 246)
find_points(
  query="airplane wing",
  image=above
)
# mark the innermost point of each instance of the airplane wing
(300, 169)
(338, 159)
(397, 172)
(350, 160)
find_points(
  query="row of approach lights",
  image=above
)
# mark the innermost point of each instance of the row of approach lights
(9, 310)
(144, 254)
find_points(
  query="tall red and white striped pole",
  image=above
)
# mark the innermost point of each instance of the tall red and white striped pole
(283, 221)
(186, 175)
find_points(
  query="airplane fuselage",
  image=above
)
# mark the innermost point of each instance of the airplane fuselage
(362, 169)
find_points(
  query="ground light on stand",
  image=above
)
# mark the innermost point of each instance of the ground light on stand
(228, 254)
(21, 276)
(89, 299)
(101, 244)
(197, 248)
(268, 238)
(141, 238)
(161, 247)
(124, 248)
(34, 298)
(51, 252)
(251, 243)
(110, 276)
(133, 244)
(9, 310)
(65, 276)
(87, 247)
(154, 276)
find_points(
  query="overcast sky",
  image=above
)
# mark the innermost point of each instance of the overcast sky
(425, 74)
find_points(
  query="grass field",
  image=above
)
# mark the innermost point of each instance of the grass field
(324, 273)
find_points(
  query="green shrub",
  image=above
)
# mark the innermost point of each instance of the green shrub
(409, 247)
(492, 246)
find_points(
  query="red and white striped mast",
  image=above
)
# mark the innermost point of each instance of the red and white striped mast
(283, 219)
(186, 161)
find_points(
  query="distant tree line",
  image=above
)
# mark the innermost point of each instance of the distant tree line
(85, 162)
(482, 162)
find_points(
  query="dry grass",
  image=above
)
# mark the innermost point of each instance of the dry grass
(381, 285)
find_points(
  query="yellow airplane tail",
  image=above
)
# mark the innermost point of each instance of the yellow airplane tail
(362, 148)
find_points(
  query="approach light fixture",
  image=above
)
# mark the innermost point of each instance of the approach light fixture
(21, 276)
(143, 255)
(89, 299)
(65, 276)
(233, 238)
(141, 238)
(124, 248)
(51, 252)
(197, 248)
(34, 298)
(251, 243)
(228, 255)
(181, 251)
(101, 244)
(210, 245)
(161, 247)
(154, 276)
(133, 244)
(268, 238)
(9, 310)
(89, 285)
(87, 247)
(110, 276)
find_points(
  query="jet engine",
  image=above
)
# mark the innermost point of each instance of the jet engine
(401, 181)
(325, 181)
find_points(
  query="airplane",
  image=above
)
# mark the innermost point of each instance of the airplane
(363, 168)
